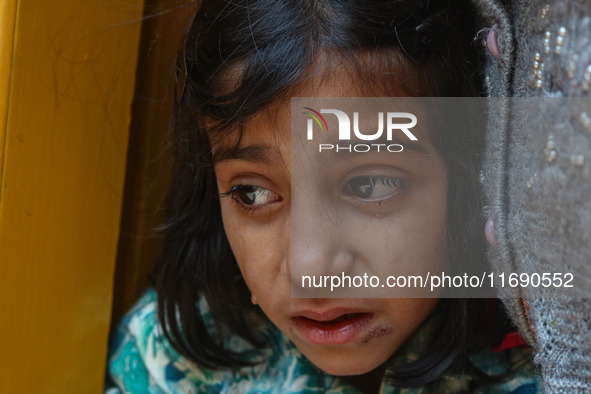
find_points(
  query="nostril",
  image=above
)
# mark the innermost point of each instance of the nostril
(285, 267)
(307, 263)
(492, 41)
(342, 262)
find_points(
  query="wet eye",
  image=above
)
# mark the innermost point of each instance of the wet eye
(373, 188)
(253, 196)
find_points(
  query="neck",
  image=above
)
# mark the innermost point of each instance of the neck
(369, 382)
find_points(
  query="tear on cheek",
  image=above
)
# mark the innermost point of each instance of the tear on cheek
(377, 332)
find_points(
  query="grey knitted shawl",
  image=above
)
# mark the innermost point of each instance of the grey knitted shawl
(537, 175)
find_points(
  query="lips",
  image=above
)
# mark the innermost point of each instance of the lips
(332, 327)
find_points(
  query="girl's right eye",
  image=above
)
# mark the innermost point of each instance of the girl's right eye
(251, 196)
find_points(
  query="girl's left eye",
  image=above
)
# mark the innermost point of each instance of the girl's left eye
(374, 188)
(251, 196)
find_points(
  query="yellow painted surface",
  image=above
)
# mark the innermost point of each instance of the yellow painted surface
(69, 88)
(7, 19)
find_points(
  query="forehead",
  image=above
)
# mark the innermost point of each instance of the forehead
(271, 125)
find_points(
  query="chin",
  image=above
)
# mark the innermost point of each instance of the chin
(337, 364)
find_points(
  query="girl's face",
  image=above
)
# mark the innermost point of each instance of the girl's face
(342, 336)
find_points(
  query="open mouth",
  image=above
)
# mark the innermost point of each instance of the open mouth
(346, 318)
(340, 330)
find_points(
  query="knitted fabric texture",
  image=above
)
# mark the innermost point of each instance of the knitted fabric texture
(537, 175)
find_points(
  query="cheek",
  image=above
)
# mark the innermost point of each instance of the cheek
(256, 245)
(411, 241)
(425, 222)
(409, 313)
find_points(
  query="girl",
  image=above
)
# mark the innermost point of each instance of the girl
(221, 317)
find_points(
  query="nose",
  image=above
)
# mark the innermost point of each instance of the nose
(318, 243)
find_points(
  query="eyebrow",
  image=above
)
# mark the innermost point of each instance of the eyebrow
(254, 153)
(407, 144)
(267, 154)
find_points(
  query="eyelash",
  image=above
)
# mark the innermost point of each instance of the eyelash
(243, 188)
(375, 180)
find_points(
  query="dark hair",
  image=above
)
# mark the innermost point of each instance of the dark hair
(241, 55)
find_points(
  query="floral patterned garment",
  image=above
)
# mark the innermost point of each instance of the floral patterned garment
(141, 360)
